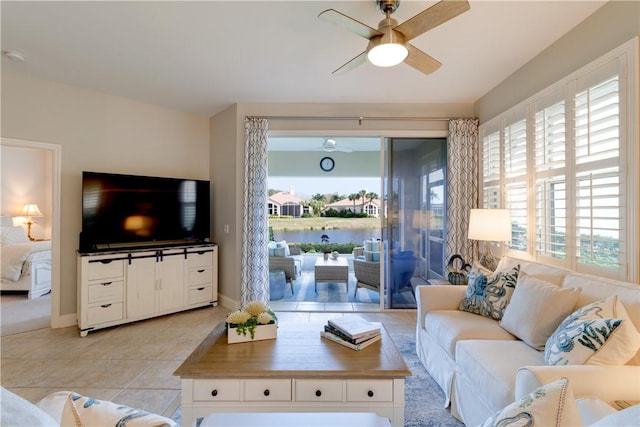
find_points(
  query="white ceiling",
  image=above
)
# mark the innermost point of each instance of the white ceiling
(203, 56)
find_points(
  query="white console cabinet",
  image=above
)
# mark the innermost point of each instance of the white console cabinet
(117, 287)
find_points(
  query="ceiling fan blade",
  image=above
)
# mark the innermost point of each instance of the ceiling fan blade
(430, 18)
(358, 60)
(421, 61)
(348, 23)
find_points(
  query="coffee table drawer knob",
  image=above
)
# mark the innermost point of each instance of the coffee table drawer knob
(318, 393)
(266, 392)
(214, 393)
(370, 393)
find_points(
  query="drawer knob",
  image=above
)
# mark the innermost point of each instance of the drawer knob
(370, 393)
(200, 271)
(214, 393)
(106, 283)
(267, 392)
(105, 305)
(318, 393)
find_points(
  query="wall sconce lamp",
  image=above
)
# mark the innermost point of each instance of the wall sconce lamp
(30, 211)
(490, 225)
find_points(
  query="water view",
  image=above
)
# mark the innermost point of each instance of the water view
(332, 236)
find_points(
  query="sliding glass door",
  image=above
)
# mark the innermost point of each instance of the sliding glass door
(415, 205)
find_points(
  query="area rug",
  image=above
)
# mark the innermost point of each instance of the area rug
(19, 314)
(424, 401)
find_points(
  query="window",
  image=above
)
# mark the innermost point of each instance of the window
(559, 161)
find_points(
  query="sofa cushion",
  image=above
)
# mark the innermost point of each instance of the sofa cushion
(489, 295)
(552, 404)
(599, 333)
(627, 417)
(450, 326)
(536, 309)
(491, 366)
(592, 409)
(545, 272)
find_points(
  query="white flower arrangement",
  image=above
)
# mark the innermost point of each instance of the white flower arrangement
(248, 317)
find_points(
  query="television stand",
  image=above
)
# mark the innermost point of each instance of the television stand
(126, 285)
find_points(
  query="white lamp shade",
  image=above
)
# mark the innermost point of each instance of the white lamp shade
(492, 225)
(30, 210)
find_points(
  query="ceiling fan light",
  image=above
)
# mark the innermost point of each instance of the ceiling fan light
(388, 54)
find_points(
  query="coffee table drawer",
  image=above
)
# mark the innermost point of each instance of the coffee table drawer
(216, 390)
(319, 390)
(370, 390)
(267, 390)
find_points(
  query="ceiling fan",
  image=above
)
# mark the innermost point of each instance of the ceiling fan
(330, 145)
(389, 44)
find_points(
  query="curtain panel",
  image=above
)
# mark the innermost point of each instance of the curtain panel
(255, 218)
(462, 186)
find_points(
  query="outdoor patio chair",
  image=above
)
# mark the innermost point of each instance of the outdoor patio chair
(367, 272)
(291, 265)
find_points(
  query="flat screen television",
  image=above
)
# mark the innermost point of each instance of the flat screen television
(121, 211)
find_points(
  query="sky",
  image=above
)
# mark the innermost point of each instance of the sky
(305, 187)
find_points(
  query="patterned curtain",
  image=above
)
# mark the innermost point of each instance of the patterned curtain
(462, 186)
(255, 221)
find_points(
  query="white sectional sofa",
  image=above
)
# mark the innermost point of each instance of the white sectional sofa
(482, 368)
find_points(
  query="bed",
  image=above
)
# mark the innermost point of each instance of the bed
(26, 265)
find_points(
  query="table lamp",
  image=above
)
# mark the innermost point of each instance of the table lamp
(29, 211)
(489, 225)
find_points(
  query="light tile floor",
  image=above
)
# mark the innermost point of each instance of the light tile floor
(131, 364)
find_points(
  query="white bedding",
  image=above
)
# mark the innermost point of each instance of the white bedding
(17, 258)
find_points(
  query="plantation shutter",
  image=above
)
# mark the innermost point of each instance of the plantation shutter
(599, 199)
(491, 171)
(515, 171)
(550, 176)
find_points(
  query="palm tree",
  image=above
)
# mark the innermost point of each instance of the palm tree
(361, 195)
(353, 197)
(371, 196)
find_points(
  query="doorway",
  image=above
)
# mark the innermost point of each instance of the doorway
(44, 190)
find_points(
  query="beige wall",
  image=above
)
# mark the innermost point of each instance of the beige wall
(102, 133)
(26, 178)
(610, 26)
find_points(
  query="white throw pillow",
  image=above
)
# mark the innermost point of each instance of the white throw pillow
(536, 309)
(552, 404)
(13, 235)
(599, 333)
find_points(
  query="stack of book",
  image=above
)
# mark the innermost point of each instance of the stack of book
(353, 332)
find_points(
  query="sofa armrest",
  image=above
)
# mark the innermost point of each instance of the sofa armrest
(437, 297)
(608, 383)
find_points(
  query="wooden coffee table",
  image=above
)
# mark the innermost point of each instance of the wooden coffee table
(297, 372)
(331, 270)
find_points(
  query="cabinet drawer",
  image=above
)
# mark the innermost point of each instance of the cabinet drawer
(200, 259)
(104, 313)
(318, 390)
(200, 294)
(369, 390)
(105, 269)
(104, 291)
(267, 390)
(199, 276)
(216, 390)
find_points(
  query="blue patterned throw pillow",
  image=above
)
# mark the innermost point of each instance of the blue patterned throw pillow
(597, 334)
(489, 295)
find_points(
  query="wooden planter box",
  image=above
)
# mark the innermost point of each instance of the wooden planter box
(262, 332)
